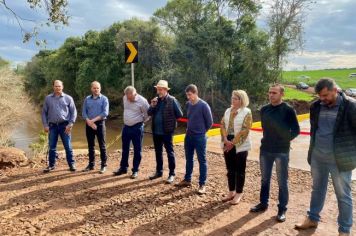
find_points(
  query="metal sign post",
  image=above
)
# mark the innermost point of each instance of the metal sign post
(133, 74)
(131, 57)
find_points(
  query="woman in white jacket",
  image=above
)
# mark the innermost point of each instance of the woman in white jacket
(236, 142)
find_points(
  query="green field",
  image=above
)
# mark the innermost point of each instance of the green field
(291, 93)
(341, 77)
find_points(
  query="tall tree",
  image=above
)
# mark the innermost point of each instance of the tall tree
(285, 21)
(218, 46)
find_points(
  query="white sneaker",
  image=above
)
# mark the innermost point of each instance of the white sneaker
(170, 179)
(202, 190)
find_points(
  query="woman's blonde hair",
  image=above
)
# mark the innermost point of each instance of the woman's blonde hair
(242, 95)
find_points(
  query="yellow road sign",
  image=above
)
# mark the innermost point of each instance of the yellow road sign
(131, 52)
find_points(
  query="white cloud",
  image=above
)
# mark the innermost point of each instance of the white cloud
(84, 15)
(17, 49)
(127, 9)
(15, 53)
(321, 60)
(330, 27)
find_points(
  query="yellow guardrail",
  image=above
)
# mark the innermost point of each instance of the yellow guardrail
(179, 138)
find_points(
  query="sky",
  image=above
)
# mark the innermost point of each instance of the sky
(330, 29)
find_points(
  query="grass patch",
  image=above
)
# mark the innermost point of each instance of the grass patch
(291, 93)
(341, 76)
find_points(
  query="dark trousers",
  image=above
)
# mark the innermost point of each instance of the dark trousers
(135, 134)
(167, 141)
(236, 167)
(100, 133)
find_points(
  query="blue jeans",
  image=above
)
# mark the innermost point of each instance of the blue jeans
(342, 186)
(266, 164)
(135, 134)
(167, 141)
(197, 143)
(56, 130)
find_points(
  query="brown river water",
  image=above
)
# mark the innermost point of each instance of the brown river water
(28, 132)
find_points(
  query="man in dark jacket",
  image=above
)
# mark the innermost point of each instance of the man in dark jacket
(332, 151)
(280, 126)
(165, 110)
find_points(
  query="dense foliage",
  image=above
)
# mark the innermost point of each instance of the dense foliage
(185, 42)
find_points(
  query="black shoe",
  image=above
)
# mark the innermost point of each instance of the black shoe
(48, 169)
(88, 168)
(281, 217)
(259, 208)
(72, 168)
(120, 172)
(155, 176)
(134, 175)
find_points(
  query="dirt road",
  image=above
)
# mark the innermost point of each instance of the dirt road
(64, 203)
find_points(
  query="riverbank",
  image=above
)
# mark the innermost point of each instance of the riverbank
(63, 203)
(14, 104)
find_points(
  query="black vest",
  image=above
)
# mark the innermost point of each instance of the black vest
(168, 116)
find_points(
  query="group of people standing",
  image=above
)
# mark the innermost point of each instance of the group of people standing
(280, 127)
(59, 115)
(332, 147)
(332, 150)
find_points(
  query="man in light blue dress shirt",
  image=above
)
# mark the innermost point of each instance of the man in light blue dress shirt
(95, 112)
(58, 117)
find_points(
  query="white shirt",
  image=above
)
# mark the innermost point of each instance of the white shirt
(135, 112)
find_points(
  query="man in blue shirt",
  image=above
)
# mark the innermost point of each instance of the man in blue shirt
(58, 116)
(199, 122)
(95, 112)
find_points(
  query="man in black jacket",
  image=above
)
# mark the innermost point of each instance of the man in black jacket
(280, 127)
(332, 151)
(165, 110)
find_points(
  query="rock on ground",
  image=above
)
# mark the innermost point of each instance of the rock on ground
(11, 157)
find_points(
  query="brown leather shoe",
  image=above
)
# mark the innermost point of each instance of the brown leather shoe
(307, 224)
(344, 234)
(183, 184)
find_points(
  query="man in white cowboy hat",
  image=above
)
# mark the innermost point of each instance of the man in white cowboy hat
(165, 110)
